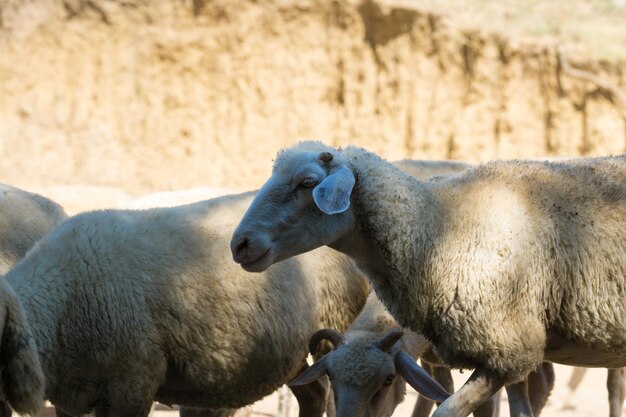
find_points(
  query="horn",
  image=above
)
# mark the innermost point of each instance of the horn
(331, 335)
(389, 340)
(326, 157)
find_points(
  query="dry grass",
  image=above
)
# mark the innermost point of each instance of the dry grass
(596, 28)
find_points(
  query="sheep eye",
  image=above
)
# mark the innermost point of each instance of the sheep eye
(309, 182)
(389, 380)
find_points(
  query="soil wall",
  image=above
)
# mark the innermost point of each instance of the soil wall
(148, 95)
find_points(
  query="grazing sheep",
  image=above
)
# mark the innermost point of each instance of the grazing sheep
(367, 366)
(24, 219)
(128, 307)
(367, 363)
(501, 267)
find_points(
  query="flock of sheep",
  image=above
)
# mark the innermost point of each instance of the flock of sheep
(501, 268)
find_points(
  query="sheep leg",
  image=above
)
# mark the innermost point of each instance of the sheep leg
(311, 397)
(481, 385)
(441, 374)
(423, 405)
(540, 384)
(615, 385)
(490, 408)
(572, 385)
(331, 408)
(519, 403)
(5, 410)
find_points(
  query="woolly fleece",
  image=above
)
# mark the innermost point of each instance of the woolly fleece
(128, 307)
(490, 262)
(24, 219)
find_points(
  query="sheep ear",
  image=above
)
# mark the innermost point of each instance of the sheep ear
(312, 373)
(418, 378)
(332, 195)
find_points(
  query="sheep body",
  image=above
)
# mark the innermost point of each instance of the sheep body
(500, 266)
(542, 240)
(502, 228)
(128, 307)
(24, 218)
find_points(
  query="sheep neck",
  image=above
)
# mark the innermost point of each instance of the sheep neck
(395, 217)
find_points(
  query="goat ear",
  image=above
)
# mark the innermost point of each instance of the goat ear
(332, 195)
(418, 378)
(312, 373)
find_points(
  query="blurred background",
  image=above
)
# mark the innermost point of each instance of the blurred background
(150, 95)
(137, 96)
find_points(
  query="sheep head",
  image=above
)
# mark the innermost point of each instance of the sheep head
(304, 205)
(368, 375)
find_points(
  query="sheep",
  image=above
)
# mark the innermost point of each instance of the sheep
(501, 267)
(366, 363)
(24, 219)
(128, 307)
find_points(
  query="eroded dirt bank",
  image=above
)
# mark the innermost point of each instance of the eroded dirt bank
(149, 95)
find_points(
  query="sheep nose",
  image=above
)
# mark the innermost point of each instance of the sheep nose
(239, 246)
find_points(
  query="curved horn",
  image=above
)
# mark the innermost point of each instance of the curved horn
(332, 335)
(389, 340)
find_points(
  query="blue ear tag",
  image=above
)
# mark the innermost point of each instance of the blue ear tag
(332, 195)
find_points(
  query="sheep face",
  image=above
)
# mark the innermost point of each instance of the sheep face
(304, 205)
(368, 376)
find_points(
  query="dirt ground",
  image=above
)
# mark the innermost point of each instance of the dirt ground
(589, 400)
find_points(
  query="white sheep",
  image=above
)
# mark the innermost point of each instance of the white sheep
(500, 267)
(24, 219)
(368, 368)
(128, 307)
